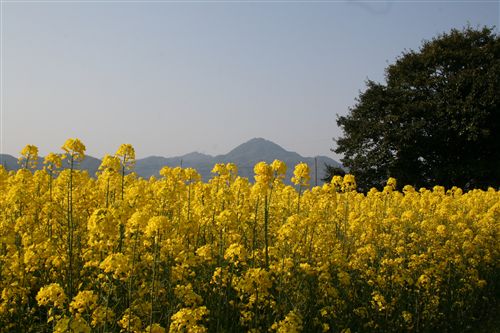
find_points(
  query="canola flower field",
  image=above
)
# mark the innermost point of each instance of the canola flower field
(117, 253)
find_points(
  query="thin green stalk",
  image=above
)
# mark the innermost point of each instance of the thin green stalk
(266, 231)
(130, 279)
(155, 246)
(70, 230)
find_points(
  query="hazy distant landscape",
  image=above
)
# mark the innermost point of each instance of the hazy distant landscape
(245, 156)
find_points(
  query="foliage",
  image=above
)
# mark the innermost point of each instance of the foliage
(331, 171)
(436, 120)
(174, 254)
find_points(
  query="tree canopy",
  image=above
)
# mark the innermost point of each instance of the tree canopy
(331, 171)
(436, 119)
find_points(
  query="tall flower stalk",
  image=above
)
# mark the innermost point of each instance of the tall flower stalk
(126, 155)
(74, 151)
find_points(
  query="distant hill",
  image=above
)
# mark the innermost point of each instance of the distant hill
(9, 162)
(91, 164)
(245, 156)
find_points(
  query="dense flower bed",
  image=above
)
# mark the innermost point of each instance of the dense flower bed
(117, 253)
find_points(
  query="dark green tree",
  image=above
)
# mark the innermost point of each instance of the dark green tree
(436, 119)
(331, 171)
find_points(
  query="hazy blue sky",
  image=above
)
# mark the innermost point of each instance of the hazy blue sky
(175, 77)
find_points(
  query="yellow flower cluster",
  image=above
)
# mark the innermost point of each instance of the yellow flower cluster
(291, 324)
(117, 253)
(84, 301)
(187, 320)
(52, 295)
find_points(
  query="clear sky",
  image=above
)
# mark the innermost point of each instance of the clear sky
(176, 77)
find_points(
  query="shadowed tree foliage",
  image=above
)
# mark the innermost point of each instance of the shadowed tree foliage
(331, 171)
(434, 121)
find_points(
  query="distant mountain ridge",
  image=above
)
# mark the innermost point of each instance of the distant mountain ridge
(91, 164)
(245, 156)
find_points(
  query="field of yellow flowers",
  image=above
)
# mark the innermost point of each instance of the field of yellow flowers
(117, 253)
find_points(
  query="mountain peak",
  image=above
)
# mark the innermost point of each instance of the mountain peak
(195, 156)
(258, 146)
(258, 141)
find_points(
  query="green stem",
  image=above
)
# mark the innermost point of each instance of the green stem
(70, 230)
(155, 246)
